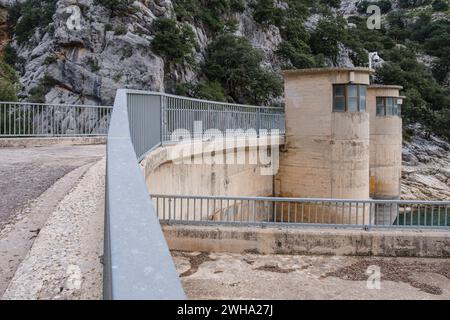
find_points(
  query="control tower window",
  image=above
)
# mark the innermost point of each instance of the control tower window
(388, 106)
(349, 98)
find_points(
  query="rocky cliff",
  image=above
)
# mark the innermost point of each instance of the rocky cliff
(426, 167)
(106, 52)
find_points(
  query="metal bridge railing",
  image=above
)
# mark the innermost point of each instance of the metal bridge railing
(185, 113)
(21, 119)
(365, 214)
(156, 117)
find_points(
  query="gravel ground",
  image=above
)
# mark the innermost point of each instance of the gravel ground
(65, 260)
(250, 276)
(32, 183)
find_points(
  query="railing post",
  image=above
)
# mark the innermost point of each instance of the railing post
(258, 122)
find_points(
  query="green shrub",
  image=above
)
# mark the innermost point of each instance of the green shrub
(327, 36)
(214, 15)
(299, 55)
(384, 5)
(8, 82)
(116, 6)
(440, 5)
(49, 60)
(26, 17)
(235, 64)
(266, 13)
(332, 3)
(38, 93)
(210, 91)
(93, 64)
(413, 3)
(120, 30)
(10, 55)
(172, 42)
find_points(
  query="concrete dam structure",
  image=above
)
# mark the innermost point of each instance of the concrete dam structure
(339, 144)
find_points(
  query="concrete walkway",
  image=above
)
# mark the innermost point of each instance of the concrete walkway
(33, 181)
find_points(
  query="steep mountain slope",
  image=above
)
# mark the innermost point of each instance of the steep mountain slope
(113, 49)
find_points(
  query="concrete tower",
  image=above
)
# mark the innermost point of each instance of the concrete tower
(384, 106)
(327, 134)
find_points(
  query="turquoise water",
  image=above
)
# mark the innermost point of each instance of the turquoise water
(422, 219)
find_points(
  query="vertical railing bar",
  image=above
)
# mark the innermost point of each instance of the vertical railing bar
(439, 216)
(181, 209)
(275, 212)
(289, 212)
(432, 215)
(315, 212)
(309, 213)
(364, 214)
(296, 212)
(418, 214)
(425, 215)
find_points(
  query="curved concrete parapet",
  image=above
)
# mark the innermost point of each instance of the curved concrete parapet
(138, 264)
(185, 169)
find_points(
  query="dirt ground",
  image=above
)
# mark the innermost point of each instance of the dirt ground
(249, 276)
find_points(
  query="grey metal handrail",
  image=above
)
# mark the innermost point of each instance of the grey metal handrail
(25, 119)
(138, 264)
(336, 213)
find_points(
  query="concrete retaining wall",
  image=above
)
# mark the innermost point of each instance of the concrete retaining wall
(44, 142)
(391, 243)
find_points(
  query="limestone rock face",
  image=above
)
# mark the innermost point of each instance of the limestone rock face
(85, 61)
(89, 63)
(426, 173)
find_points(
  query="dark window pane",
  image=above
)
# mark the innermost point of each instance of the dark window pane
(380, 107)
(339, 104)
(389, 106)
(399, 110)
(352, 90)
(362, 91)
(339, 90)
(362, 98)
(353, 104)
